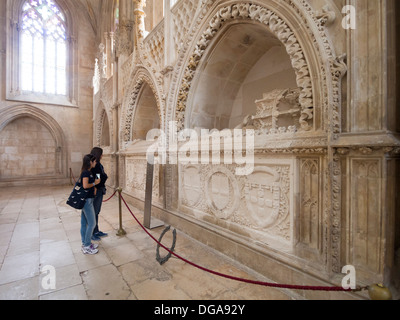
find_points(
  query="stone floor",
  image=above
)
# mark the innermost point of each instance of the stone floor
(38, 230)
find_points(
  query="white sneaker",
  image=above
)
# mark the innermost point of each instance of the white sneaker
(92, 245)
(89, 250)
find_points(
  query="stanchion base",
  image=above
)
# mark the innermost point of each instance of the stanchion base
(121, 233)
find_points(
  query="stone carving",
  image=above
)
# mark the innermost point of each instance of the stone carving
(183, 14)
(366, 219)
(336, 214)
(339, 69)
(278, 27)
(103, 61)
(122, 37)
(222, 192)
(263, 195)
(326, 16)
(259, 201)
(309, 203)
(129, 111)
(278, 111)
(192, 186)
(96, 77)
(136, 170)
(99, 126)
(140, 5)
(154, 47)
(136, 175)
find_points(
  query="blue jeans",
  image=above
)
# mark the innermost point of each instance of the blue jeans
(97, 203)
(88, 222)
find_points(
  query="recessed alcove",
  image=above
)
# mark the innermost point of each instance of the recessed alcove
(28, 149)
(146, 115)
(105, 132)
(243, 63)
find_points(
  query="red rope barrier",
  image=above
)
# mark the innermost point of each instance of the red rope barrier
(260, 283)
(71, 176)
(110, 197)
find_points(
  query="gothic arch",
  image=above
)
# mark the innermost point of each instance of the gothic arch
(12, 113)
(220, 92)
(300, 31)
(99, 121)
(130, 104)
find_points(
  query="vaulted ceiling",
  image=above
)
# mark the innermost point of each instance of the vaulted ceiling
(92, 10)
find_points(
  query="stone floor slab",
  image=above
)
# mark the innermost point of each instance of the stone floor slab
(38, 230)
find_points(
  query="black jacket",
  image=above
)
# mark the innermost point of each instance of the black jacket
(99, 169)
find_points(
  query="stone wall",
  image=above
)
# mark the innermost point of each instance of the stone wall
(27, 150)
(319, 96)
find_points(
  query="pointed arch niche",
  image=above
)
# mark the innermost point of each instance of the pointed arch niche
(146, 115)
(103, 133)
(241, 65)
(34, 146)
(308, 63)
(141, 111)
(140, 115)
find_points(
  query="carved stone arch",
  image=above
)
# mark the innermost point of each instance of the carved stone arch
(141, 77)
(12, 113)
(99, 121)
(302, 34)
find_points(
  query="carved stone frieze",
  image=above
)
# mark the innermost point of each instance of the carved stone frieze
(336, 221)
(260, 201)
(310, 230)
(326, 16)
(122, 37)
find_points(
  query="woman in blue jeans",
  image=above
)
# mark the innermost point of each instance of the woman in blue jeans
(88, 217)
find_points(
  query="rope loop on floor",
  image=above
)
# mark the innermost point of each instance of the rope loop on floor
(160, 260)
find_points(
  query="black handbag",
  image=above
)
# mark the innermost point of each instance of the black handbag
(78, 196)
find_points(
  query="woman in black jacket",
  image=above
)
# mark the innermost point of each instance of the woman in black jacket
(98, 171)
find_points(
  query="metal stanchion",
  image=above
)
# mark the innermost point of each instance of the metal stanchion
(121, 231)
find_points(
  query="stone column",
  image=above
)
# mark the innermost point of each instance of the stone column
(139, 21)
(107, 41)
(169, 46)
(125, 34)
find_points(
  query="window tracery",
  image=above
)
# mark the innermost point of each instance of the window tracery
(43, 51)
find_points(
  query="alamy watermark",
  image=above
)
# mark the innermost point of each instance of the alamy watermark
(203, 146)
(350, 280)
(349, 20)
(49, 278)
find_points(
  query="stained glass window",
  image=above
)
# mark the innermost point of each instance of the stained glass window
(116, 15)
(43, 48)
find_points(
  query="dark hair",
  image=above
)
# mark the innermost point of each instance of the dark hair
(97, 152)
(86, 162)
